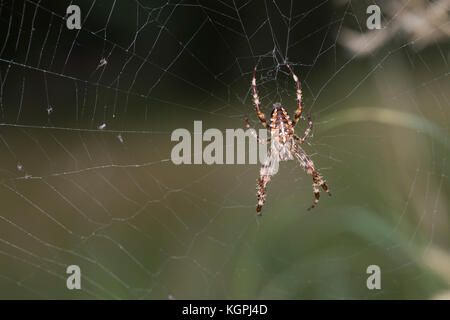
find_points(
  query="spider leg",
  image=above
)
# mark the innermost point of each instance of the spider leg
(309, 167)
(299, 110)
(316, 192)
(265, 174)
(308, 130)
(262, 141)
(257, 102)
(263, 180)
(318, 181)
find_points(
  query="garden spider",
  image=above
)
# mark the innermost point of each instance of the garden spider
(284, 144)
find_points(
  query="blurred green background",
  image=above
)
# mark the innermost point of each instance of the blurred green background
(111, 201)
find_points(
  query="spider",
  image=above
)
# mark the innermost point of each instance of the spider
(284, 144)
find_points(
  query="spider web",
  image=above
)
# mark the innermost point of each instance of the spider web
(87, 180)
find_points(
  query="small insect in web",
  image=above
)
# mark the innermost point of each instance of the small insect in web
(49, 110)
(284, 144)
(102, 62)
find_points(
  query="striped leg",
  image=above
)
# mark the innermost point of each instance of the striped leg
(309, 167)
(308, 130)
(318, 182)
(316, 190)
(299, 110)
(265, 174)
(262, 141)
(257, 102)
(261, 188)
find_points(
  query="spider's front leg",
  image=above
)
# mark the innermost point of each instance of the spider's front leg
(298, 112)
(257, 102)
(308, 130)
(262, 141)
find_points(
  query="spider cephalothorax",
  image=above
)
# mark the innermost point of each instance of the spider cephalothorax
(284, 143)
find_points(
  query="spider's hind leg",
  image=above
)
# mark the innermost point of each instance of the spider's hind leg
(318, 182)
(268, 169)
(325, 187)
(316, 193)
(309, 167)
(261, 190)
